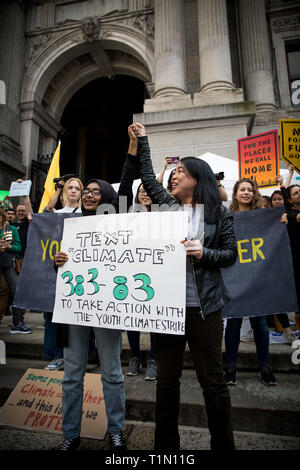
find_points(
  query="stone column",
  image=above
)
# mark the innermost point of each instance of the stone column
(216, 85)
(2, 92)
(49, 145)
(29, 136)
(170, 74)
(33, 119)
(256, 56)
(12, 41)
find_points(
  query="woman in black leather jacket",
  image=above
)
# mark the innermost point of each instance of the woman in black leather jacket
(193, 182)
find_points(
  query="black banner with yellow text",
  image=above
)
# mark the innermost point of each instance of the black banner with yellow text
(261, 282)
(37, 280)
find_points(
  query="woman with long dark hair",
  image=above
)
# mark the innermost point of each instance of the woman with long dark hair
(292, 196)
(281, 320)
(193, 182)
(246, 197)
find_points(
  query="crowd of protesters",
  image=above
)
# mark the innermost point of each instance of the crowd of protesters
(192, 182)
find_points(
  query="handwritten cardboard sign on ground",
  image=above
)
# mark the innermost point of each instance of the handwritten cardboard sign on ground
(36, 404)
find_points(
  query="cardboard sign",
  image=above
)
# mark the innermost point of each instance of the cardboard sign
(258, 158)
(35, 404)
(290, 141)
(20, 189)
(126, 272)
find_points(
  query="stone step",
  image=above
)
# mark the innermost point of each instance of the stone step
(139, 436)
(255, 407)
(31, 347)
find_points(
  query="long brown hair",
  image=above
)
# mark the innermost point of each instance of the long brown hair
(288, 194)
(256, 201)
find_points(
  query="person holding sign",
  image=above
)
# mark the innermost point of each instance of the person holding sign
(10, 246)
(71, 198)
(282, 323)
(247, 197)
(293, 215)
(193, 182)
(109, 344)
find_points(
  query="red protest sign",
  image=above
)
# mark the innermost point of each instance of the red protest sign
(259, 158)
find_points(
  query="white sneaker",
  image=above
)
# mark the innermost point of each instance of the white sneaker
(290, 337)
(248, 337)
(56, 364)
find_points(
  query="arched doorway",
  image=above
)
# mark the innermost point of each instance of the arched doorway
(95, 121)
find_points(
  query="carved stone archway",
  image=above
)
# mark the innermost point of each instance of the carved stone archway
(60, 62)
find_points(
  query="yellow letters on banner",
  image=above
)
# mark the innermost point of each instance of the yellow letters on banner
(54, 247)
(256, 244)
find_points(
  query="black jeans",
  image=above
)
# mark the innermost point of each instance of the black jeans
(204, 338)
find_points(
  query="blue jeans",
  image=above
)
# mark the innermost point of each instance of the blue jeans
(134, 342)
(50, 349)
(109, 344)
(260, 329)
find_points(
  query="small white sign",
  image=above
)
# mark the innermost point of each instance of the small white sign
(20, 189)
(124, 273)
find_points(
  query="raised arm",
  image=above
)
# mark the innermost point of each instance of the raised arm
(289, 178)
(223, 193)
(55, 197)
(160, 178)
(25, 200)
(154, 189)
(279, 178)
(129, 168)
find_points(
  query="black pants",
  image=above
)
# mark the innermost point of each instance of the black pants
(204, 338)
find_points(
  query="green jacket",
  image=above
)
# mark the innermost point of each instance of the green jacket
(10, 233)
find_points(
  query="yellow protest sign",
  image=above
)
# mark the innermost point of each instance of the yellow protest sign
(290, 141)
(35, 404)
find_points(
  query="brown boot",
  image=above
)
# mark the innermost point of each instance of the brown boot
(278, 326)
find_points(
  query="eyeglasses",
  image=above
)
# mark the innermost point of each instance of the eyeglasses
(94, 192)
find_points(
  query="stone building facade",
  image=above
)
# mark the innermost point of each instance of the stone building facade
(212, 71)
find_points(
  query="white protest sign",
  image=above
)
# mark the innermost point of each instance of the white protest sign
(125, 271)
(20, 189)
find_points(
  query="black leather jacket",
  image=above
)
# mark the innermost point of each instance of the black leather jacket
(219, 248)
